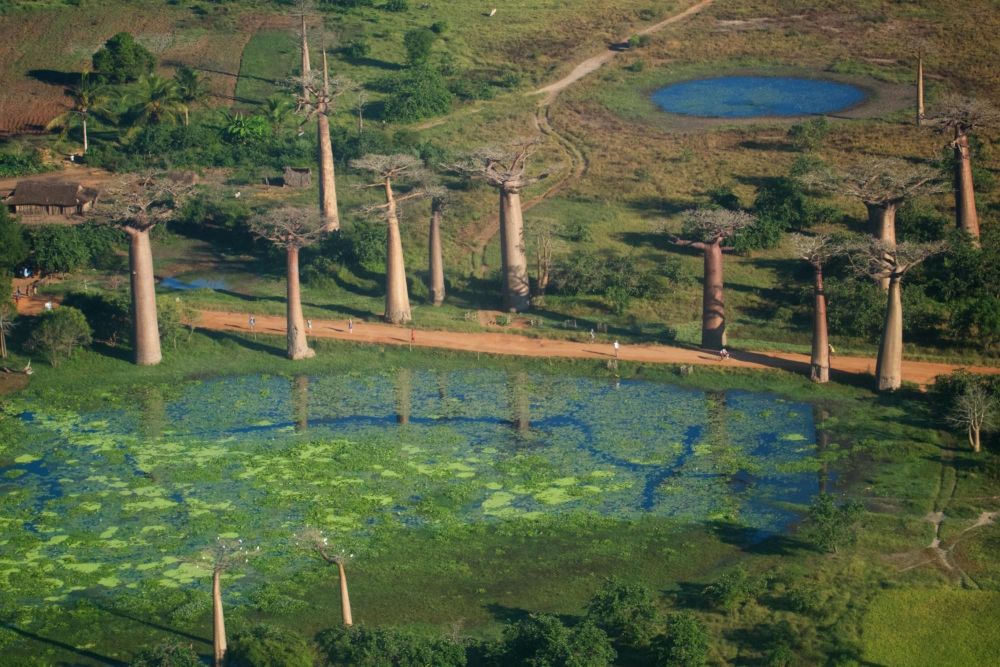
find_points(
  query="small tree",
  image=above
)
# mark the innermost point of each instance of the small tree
(7, 315)
(418, 44)
(391, 169)
(961, 116)
(318, 93)
(735, 588)
(292, 229)
(319, 544)
(167, 654)
(60, 332)
(89, 96)
(122, 59)
(505, 168)
(225, 555)
(266, 645)
(136, 207)
(542, 639)
(817, 250)
(625, 611)
(705, 230)
(830, 526)
(685, 643)
(156, 101)
(888, 263)
(544, 239)
(974, 410)
(191, 89)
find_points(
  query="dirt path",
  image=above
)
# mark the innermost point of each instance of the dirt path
(478, 237)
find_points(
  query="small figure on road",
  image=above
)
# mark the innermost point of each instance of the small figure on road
(593, 337)
(350, 325)
(413, 337)
(309, 326)
(252, 322)
(723, 354)
(616, 348)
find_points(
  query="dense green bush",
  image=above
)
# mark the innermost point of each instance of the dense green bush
(419, 92)
(359, 646)
(396, 5)
(21, 162)
(122, 59)
(357, 48)
(616, 277)
(418, 43)
(59, 332)
(625, 611)
(830, 526)
(734, 589)
(58, 248)
(685, 643)
(809, 135)
(920, 222)
(107, 314)
(14, 247)
(168, 654)
(781, 205)
(267, 646)
(855, 308)
(543, 641)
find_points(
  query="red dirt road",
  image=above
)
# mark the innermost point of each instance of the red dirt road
(372, 333)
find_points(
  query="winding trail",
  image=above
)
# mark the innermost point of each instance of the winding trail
(478, 237)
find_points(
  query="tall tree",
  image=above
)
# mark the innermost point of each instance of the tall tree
(192, 89)
(974, 410)
(435, 256)
(314, 540)
(224, 555)
(505, 168)
(316, 101)
(882, 261)
(961, 116)
(390, 169)
(156, 101)
(817, 250)
(304, 8)
(89, 95)
(705, 230)
(921, 113)
(292, 229)
(137, 205)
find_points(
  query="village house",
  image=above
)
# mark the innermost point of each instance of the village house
(51, 198)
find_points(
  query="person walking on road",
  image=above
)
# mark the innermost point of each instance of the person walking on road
(616, 348)
(350, 325)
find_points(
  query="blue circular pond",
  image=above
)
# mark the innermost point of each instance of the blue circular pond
(757, 96)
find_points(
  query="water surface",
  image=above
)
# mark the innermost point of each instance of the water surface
(757, 96)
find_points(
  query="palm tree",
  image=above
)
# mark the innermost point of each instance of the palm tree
(277, 108)
(157, 101)
(89, 96)
(191, 88)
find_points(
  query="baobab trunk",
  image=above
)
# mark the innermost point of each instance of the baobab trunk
(298, 346)
(85, 145)
(713, 317)
(327, 181)
(965, 194)
(882, 223)
(218, 619)
(397, 299)
(435, 254)
(145, 331)
(305, 56)
(345, 600)
(516, 289)
(920, 90)
(820, 362)
(889, 368)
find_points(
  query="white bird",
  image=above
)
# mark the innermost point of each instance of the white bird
(237, 195)
(492, 13)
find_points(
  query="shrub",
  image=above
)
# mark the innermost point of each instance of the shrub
(358, 646)
(830, 526)
(685, 643)
(122, 59)
(13, 246)
(419, 93)
(544, 641)
(107, 314)
(439, 27)
(57, 248)
(734, 589)
(855, 308)
(396, 6)
(357, 48)
(625, 611)
(919, 222)
(175, 319)
(267, 646)
(167, 654)
(418, 44)
(809, 135)
(21, 162)
(59, 333)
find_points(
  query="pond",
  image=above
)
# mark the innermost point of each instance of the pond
(757, 96)
(101, 499)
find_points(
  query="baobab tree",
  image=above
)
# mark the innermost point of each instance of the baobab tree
(505, 168)
(881, 261)
(817, 250)
(7, 314)
(390, 169)
(89, 96)
(961, 116)
(314, 540)
(136, 207)
(974, 410)
(224, 555)
(705, 230)
(292, 229)
(304, 7)
(434, 253)
(921, 114)
(316, 101)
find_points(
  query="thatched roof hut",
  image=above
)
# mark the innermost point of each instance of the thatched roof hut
(296, 177)
(51, 198)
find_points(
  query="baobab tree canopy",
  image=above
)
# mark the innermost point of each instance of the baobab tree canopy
(879, 181)
(964, 114)
(707, 225)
